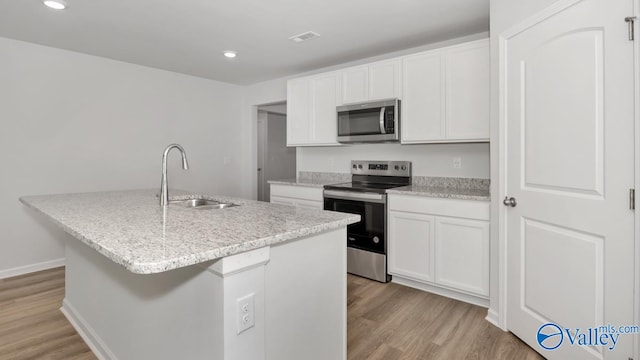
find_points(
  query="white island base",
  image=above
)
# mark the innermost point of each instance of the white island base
(299, 290)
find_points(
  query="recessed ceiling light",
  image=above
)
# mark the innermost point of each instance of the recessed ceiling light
(230, 54)
(56, 4)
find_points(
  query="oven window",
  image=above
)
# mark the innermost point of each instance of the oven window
(359, 122)
(368, 234)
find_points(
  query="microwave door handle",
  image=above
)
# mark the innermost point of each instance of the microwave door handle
(382, 130)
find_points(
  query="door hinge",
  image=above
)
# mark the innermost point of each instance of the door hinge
(630, 23)
(632, 199)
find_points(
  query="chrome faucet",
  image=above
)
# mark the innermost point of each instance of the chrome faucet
(164, 188)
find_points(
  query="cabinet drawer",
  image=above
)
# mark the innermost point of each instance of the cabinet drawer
(470, 209)
(297, 192)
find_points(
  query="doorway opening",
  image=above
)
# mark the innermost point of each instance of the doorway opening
(275, 160)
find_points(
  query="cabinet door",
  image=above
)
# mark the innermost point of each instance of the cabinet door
(384, 80)
(355, 85)
(324, 128)
(462, 254)
(282, 200)
(309, 204)
(411, 245)
(298, 111)
(422, 116)
(468, 82)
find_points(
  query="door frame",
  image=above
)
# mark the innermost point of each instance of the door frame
(253, 193)
(636, 67)
(498, 314)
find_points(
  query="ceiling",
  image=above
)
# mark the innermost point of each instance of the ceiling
(189, 36)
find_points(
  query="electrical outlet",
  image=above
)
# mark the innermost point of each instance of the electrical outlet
(246, 313)
(332, 162)
(457, 162)
(226, 160)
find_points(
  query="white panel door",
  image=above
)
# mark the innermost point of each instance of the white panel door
(423, 98)
(411, 245)
(298, 111)
(324, 129)
(468, 81)
(569, 154)
(384, 80)
(462, 254)
(355, 85)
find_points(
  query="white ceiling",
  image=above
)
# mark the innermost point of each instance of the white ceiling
(188, 36)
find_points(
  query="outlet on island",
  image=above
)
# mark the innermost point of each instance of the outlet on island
(246, 315)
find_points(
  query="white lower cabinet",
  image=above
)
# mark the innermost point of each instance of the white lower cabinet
(462, 253)
(297, 196)
(440, 245)
(412, 245)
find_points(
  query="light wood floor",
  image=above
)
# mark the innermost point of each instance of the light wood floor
(31, 324)
(395, 322)
(385, 321)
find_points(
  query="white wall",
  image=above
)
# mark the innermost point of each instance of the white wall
(503, 15)
(72, 122)
(427, 160)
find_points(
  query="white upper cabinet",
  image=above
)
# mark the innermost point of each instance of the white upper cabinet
(311, 110)
(298, 111)
(446, 94)
(355, 85)
(468, 102)
(422, 117)
(375, 81)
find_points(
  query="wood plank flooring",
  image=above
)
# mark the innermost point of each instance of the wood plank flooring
(31, 324)
(385, 322)
(390, 321)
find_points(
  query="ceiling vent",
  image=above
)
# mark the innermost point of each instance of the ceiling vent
(304, 36)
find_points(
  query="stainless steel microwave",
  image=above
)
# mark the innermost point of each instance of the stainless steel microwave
(369, 122)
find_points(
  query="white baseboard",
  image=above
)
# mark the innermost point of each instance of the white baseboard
(471, 299)
(86, 332)
(493, 318)
(21, 270)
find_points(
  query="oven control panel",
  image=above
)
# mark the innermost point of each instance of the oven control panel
(381, 168)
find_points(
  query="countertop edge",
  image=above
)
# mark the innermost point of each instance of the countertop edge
(440, 195)
(294, 182)
(217, 253)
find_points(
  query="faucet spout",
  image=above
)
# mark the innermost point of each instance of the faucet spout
(164, 187)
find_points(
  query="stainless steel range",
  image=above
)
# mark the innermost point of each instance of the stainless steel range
(366, 195)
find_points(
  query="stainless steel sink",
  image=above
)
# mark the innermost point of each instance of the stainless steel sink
(201, 204)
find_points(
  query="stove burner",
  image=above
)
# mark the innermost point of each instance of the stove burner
(361, 186)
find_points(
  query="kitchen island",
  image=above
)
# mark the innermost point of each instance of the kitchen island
(253, 281)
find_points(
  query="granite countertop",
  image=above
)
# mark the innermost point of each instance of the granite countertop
(443, 192)
(131, 229)
(316, 183)
(315, 179)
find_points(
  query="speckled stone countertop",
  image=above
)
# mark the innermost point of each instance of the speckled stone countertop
(315, 179)
(442, 192)
(442, 187)
(131, 229)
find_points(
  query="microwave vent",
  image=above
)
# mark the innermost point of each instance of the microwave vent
(304, 36)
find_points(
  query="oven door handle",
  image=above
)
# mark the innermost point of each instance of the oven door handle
(346, 195)
(382, 128)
